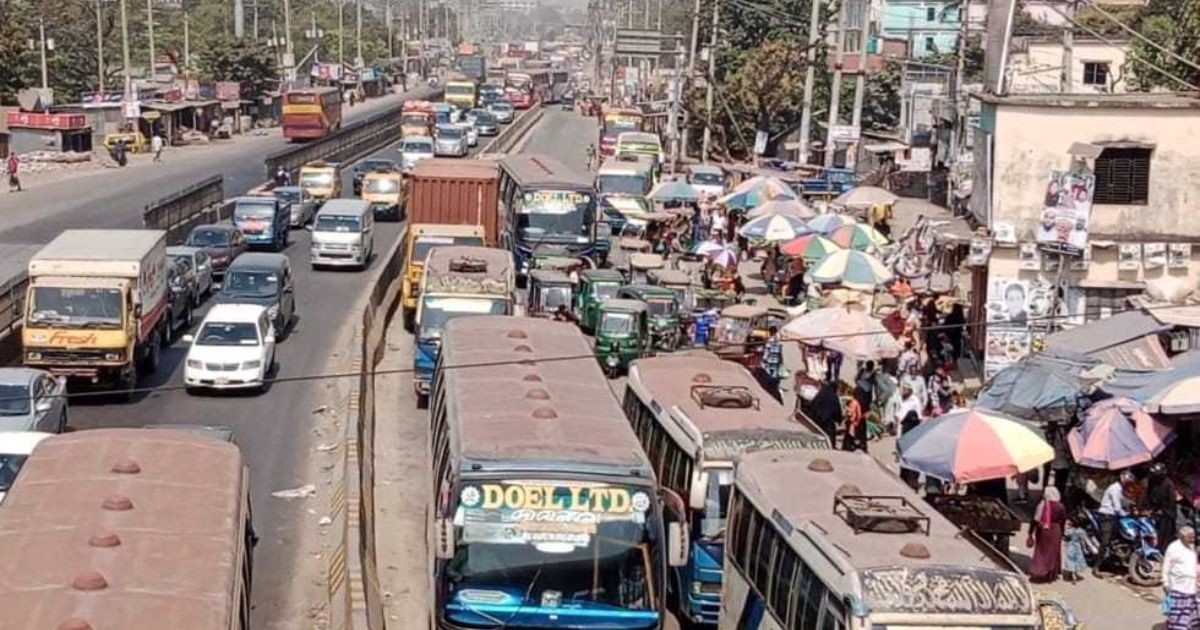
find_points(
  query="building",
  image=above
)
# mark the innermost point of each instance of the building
(1089, 199)
(929, 26)
(1035, 65)
(1055, 12)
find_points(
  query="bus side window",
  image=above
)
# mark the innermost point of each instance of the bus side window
(781, 582)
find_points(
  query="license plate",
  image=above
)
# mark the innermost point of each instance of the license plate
(221, 381)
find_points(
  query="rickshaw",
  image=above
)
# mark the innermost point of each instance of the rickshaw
(627, 248)
(709, 299)
(622, 334)
(548, 290)
(678, 281)
(640, 265)
(740, 333)
(663, 303)
(595, 287)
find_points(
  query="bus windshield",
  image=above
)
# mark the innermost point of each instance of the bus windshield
(622, 185)
(460, 89)
(562, 213)
(436, 311)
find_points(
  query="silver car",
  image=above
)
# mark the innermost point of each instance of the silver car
(414, 149)
(199, 267)
(301, 205)
(503, 111)
(450, 141)
(32, 400)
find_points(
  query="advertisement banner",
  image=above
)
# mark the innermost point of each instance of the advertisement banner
(538, 512)
(1066, 213)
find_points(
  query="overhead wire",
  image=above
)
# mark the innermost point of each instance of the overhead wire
(1112, 18)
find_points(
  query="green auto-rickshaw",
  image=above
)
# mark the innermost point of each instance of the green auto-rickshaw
(665, 328)
(596, 286)
(548, 290)
(678, 281)
(622, 334)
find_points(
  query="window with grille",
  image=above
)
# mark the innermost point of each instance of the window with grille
(930, 14)
(1095, 73)
(1123, 177)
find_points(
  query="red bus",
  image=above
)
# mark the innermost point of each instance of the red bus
(311, 113)
(613, 122)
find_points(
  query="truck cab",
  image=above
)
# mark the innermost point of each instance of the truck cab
(264, 221)
(416, 119)
(384, 189)
(321, 180)
(419, 240)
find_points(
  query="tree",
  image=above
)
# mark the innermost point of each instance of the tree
(1174, 26)
(242, 61)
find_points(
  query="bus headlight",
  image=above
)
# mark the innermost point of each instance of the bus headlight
(697, 587)
(611, 360)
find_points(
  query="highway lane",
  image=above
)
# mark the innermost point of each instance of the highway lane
(279, 431)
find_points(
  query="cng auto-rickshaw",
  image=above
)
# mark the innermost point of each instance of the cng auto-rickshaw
(740, 334)
(384, 190)
(548, 290)
(663, 304)
(321, 180)
(678, 281)
(627, 247)
(596, 286)
(622, 334)
(640, 266)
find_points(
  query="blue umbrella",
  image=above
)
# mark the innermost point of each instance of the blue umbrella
(674, 190)
(775, 227)
(829, 223)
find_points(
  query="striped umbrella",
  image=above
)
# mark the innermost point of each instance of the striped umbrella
(755, 191)
(774, 227)
(704, 248)
(973, 445)
(674, 190)
(782, 206)
(858, 236)
(725, 258)
(1116, 433)
(829, 222)
(852, 269)
(850, 331)
(811, 247)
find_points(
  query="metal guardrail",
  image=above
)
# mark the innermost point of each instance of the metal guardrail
(515, 132)
(182, 205)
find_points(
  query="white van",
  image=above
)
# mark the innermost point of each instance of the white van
(343, 234)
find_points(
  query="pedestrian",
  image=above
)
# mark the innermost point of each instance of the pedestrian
(827, 411)
(1112, 508)
(1046, 537)
(906, 403)
(1160, 503)
(854, 437)
(1179, 582)
(12, 167)
(910, 421)
(864, 386)
(954, 325)
(1074, 560)
(773, 353)
(940, 391)
(909, 358)
(156, 145)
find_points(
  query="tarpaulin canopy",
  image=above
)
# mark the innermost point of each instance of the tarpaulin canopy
(1038, 388)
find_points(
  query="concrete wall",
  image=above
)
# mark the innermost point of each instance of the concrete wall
(1031, 141)
(1034, 66)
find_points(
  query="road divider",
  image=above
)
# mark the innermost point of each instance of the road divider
(201, 203)
(513, 134)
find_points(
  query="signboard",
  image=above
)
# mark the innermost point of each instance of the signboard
(760, 142)
(327, 71)
(844, 133)
(131, 109)
(1067, 211)
(228, 90)
(946, 590)
(545, 512)
(554, 201)
(37, 120)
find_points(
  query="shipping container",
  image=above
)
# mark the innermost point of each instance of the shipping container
(455, 192)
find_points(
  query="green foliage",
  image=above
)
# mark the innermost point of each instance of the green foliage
(230, 60)
(1176, 27)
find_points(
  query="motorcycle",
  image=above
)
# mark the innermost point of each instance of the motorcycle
(1134, 545)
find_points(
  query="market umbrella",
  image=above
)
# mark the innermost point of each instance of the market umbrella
(851, 269)
(756, 190)
(829, 222)
(1117, 433)
(793, 207)
(811, 247)
(973, 445)
(724, 258)
(864, 197)
(1178, 395)
(674, 190)
(705, 248)
(858, 236)
(774, 227)
(1036, 387)
(845, 329)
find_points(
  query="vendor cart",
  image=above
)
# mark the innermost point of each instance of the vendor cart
(986, 516)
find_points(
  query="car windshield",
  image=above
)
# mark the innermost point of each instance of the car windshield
(416, 146)
(10, 465)
(660, 307)
(450, 133)
(242, 283)
(84, 307)
(708, 179)
(316, 179)
(460, 90)
(288, 196)
(616, 323)
(622, 184)
(245, 211)
(555, 213)
(502, 107)
(436, 311)
(425, 243)
(337, 223)
(381, 185)
(208, 238)
(607, 291)
(184, 260)
(14, 400)
(553, 297)
(228, 334)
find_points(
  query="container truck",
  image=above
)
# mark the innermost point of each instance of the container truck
(96, 305)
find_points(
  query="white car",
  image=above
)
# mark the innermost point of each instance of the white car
(450, 141)
(414, 149)
(15, 448)
(503, 111)
(468, 127)
(234, 348)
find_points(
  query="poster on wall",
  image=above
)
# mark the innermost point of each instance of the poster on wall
(1066, 212)
(1004, 347)
(1008, 303)
(1030, 257)
(1179, 255)
(1129, 256)
(1154, 255)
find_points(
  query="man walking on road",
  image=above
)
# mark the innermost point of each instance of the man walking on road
(11, 167)
(156, 145)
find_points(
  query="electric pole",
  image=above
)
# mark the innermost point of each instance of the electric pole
(42, 48)
(289, 55)
(150, 34)
(99, 50)
(810, 77)
(685, 136)
(239, 19)
(712, 72)
(125, 52)
(341, 41)
(1066, 76)
(391, 35)
(864, 22)
(358, 58)
(835, 90)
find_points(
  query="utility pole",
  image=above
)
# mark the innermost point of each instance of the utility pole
(660, 9)
(341, 42)
(239, 19)
(1066, 76)
(646, 14)
(42, 48)
(860, 78)
(99, 50)
(810, 77)
(391, 34)
(685, 136)
(358, 58)
(125, 52)
(254, 23)
(289, 55)
(187, 46)
(835, 90)
(712, 71)
(150, 34)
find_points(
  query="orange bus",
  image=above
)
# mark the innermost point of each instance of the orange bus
(617, 120)
(311, 113)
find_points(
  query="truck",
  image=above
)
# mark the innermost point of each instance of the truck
(473, 65)
(95, 308)
(416, 119)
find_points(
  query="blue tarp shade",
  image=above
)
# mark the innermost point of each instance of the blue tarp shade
(1039, 387)
(1125, 340)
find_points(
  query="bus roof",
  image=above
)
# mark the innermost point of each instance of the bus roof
(678, 384)
(801, 503)
(624, 166)
(73, 548)
(542, 170)
(468, 269)
(531, 397)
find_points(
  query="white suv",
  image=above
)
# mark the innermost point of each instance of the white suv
(234, 348)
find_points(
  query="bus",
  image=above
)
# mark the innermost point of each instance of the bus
(627, 176)
(617, 120)
(461, 93)
(694, 415)
(108, 526)
(311, 113)
(832, 540)
(457, 281)
(544, 203)
(546, 511)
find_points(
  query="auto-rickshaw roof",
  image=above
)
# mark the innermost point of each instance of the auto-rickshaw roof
(630, 242)
(645, 292)
(670, 276)
(550, 276)
(646, 261)
(624, 305)
(602, 275)
(743, 311)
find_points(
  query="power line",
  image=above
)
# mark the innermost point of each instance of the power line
(1112, 18)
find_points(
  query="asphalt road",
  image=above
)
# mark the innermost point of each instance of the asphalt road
(280, 431)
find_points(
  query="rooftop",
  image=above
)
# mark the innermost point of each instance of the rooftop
(1133, 100)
